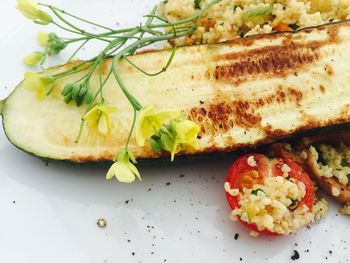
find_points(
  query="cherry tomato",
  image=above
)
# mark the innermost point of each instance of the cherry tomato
(242, 175)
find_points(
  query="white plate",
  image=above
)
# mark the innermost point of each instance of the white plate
(178, 213)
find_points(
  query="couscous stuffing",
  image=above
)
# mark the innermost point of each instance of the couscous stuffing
(273, 206)
(231, 19)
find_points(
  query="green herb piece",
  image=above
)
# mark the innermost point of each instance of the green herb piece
(344, 163)
(260, 11)
(256, 191)
(294, 202)
(197, 4)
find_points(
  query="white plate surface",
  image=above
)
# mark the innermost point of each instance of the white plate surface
(178, 213)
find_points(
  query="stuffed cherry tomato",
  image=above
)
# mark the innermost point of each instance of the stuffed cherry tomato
(270, 196)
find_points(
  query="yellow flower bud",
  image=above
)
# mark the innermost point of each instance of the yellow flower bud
(34, 58)
(30, 10)
(38, 83)
(43, 38)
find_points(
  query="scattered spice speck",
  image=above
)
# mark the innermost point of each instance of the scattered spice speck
(101, 223)
(236, 236)
(127, 201)
(167, 184)
(295, 256)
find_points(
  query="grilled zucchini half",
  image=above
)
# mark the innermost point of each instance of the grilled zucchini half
(242, 93)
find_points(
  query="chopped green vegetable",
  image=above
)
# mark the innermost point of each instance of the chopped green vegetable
(260, 11)
(256, 191)
(197, 4)
(294, 202)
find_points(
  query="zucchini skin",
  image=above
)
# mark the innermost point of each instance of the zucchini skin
(242, 93)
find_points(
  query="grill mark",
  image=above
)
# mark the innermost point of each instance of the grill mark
(271, 61)
(224, 116)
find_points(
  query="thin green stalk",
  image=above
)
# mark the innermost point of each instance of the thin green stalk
(76, 17)
(131, 130)
(80, 31)
(64, 28)
(80, 130)
(78, 49)
(157, 73)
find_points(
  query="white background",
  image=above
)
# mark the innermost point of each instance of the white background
(49, 213)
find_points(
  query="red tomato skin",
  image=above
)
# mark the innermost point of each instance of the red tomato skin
(263, 166)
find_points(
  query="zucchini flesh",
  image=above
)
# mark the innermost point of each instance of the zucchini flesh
(242, 93)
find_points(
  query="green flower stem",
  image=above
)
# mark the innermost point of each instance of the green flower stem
(68, 73)
(72, 70)
(133, 101)
(76, 17)
(78, 30)
(64, 28)
(78, 49)
(131, 130)
(157, 73)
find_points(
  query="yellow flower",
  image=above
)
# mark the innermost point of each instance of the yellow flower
(124, 169)
(186, 133)
(35, 82)
(99, 117)
(43, 38)
(30, 10)
(34, 58)
(150, 121)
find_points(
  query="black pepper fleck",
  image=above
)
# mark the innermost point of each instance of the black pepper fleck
(133, 253)
(127, 201)
(167, 184)
(295, 255)
(236, 236)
